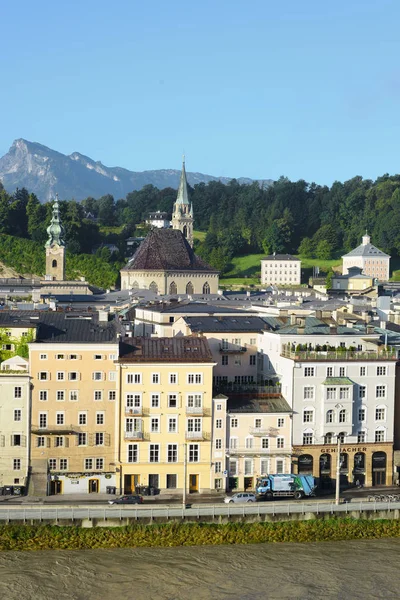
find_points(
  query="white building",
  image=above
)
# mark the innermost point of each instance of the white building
(369, 258)
(14, 427)
(339, 382)
(159, 219)
(280, 269)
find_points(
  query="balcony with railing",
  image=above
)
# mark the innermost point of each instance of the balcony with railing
(133, 411)
(134, 435)
(263, 431)
(197, 436)
(232, 349)
(339, 354)
(195, 410)
(244, 451)
(55, 429)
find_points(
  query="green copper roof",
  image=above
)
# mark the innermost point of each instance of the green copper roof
(183, 197)
(337, 381)
(55, 230)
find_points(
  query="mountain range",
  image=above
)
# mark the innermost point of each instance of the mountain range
(46, 172)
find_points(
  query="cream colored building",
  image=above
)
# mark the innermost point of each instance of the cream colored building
(372, 261)
(74, 404)
(14, 426)
(258, 438)
(280, 269)
(232, 341)
(165, 413)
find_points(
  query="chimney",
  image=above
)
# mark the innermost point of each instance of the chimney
(318, 314)
(103, 316)
(293, 319)
(383, 324)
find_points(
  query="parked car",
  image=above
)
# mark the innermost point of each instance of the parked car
(241, 497)
(127, 500)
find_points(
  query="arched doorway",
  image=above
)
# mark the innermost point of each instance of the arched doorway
(305, 464)
(189, 288)
(359, 468)
(379, 468)
(206, 288)
(172, 288)
(325, 462)
(153, 287)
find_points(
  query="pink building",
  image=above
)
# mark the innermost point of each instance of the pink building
(370, 259)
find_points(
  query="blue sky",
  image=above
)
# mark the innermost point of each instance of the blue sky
(260, 88)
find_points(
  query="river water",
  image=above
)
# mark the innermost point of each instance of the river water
(357, 570)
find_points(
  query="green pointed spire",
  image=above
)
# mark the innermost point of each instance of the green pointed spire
(55, 230)
(183, 196)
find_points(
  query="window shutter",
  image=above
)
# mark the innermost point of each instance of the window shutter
(66, 439)
(23, 441)
(90, 439)
(107, 439)
(48, 442)
(2, 441)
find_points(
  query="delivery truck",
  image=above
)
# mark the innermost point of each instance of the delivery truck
(296, 486)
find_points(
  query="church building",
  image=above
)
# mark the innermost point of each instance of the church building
(165, 262)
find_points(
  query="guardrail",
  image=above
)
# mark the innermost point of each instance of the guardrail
(284, 509)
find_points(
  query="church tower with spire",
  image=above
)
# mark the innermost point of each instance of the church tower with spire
(182, 217)
(55, 247)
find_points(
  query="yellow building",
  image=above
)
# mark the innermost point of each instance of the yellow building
(74, 404)
(166, 414)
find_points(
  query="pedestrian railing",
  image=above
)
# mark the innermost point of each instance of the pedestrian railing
(75, 513)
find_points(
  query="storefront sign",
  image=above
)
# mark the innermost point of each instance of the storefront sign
(342, 449)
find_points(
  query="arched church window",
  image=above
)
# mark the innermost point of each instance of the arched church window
(172, 288)
(185, 231)
(189, 288)
(135, 285)
(54, 263)
(153, 287)
(206, 288)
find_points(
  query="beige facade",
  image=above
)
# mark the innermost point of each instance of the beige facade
(170, 282)
(14, 428)
(74, 415)
(280, 269)
(165, 412)
(259, 443)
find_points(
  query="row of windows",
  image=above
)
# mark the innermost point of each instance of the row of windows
(343, 393)
(78, 356)
(133, 425)
(76, 376)
(227, 344)
(342, 415)
(250, 443)
(380, 371)
(258, 423)
(237, 360)
(249, 466)
(330, 438)
(82, 439)
(73, 395)
(61, 464)
(171, 453)
(82, 418)
(155, 378)
(192, 400)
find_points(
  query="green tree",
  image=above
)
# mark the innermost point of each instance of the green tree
(306, 248)
(324, 250)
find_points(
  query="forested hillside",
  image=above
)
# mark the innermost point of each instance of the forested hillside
(316, 221)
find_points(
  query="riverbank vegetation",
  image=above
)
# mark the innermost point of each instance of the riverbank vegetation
(46, 537)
